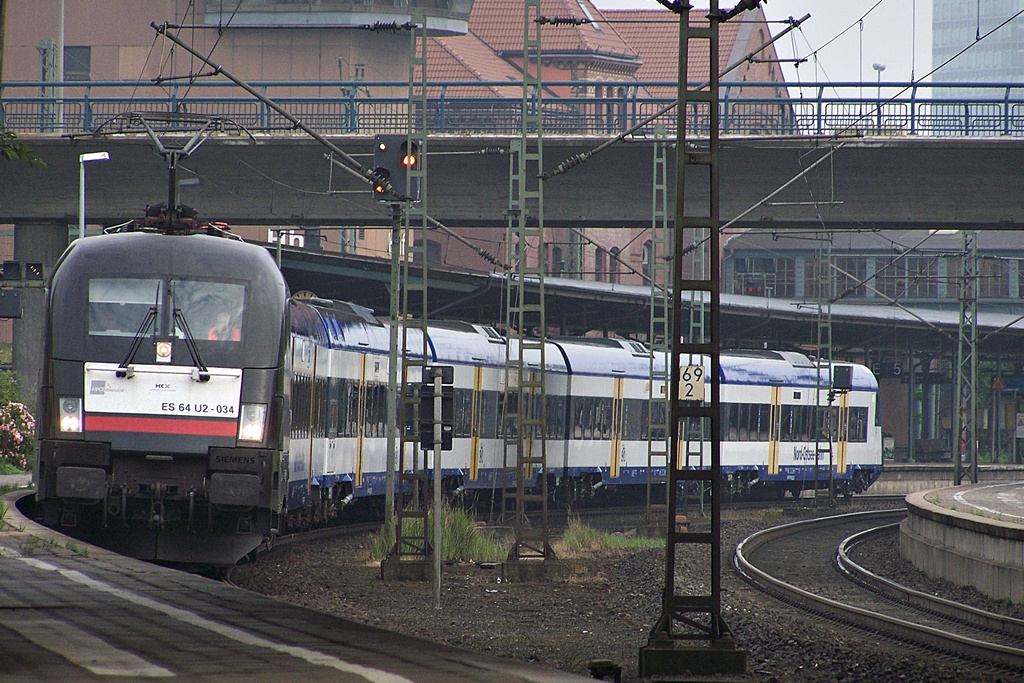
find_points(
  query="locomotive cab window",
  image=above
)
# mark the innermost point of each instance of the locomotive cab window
(211, 310)
(119, 306)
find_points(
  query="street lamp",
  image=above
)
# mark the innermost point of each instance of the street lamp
(82, 160)
(879, 68)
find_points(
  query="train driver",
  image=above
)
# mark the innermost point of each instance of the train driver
(223, 330)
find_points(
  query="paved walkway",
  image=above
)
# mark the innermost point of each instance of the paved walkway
(16, 480)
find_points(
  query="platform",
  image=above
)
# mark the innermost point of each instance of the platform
(69, 611)
(970, 536)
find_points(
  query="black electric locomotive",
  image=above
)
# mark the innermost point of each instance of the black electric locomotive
(164, 400)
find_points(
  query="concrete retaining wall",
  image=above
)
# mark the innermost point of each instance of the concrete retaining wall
(964, 549)
(905, 478)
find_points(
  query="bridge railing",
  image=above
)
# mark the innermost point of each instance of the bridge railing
(570, 108)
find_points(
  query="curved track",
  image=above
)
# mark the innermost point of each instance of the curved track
(797, 563)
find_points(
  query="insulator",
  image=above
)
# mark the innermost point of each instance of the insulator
(563, 21)
(384, 26)
(568, 164)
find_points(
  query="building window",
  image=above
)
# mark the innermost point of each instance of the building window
(77, 63)
(993, 280)
(433, 252)
(647, 258)
(358, 72)
(845, 272)
(922, 277)
(613, 265)
(890, 277)
(557, 264)
(767, 276)
(600, 258)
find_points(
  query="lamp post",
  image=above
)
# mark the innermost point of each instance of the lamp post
(82, 160)
(879, 68)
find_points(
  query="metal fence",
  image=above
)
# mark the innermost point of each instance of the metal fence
(339, 108)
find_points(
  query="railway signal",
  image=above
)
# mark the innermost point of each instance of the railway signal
(394, 156)
(437, 379)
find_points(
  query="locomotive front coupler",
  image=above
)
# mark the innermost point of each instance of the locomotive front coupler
(156, 507)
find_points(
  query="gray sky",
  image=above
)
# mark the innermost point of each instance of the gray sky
(886, 37)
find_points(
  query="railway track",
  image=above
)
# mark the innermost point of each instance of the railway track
(798, 564)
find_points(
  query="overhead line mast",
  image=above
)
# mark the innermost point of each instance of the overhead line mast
(687, 615)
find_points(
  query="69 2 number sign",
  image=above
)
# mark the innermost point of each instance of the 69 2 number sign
(691, 383)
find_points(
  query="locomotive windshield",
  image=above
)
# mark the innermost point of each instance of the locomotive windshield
(118, 306)
(212, 310)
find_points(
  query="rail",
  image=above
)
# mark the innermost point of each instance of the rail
(864, 614)
(569, 107)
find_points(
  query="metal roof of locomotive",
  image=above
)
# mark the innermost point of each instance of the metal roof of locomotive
(169, 254)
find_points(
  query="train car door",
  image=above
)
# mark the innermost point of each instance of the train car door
(774, 430)
(616, 427)
(843, 428)
(361, 419)
(475, 423)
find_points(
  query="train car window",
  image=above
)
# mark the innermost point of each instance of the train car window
(212, 310)
(588, 419)
(118, 306)
(743, 421)
(556, 416)
(333, 407)
(463, 400)
(633, 419)
(351, 396)
(320, 412)
(604, 417)
(790, 423)
(729, 422)
(763, 414)
(490, 414)
(300, 406)
(857, 429)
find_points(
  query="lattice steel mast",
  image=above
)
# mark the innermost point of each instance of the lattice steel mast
(687, 613)
(412, 541)
(966, 446)
(525, 421)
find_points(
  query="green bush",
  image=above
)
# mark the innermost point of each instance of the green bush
(17, 427)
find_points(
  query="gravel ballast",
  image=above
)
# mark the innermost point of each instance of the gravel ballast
(606, 609)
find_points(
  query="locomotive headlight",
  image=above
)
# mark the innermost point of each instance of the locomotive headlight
(163, 352)
(252, 422)
(70, 414)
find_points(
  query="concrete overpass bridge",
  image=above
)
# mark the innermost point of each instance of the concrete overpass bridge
(858, 183)
(908, 155)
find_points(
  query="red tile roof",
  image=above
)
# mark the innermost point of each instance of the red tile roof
(467, 58)
(654, 34)
(499, 23)
(617, 45)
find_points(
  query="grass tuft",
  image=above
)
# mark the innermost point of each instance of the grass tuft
(580, 538)
(461, 538)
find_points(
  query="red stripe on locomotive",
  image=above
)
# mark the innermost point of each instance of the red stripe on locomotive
(160, 425)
